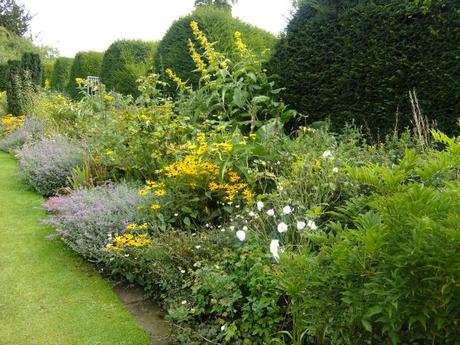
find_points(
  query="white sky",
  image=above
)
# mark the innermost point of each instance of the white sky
(81, 25)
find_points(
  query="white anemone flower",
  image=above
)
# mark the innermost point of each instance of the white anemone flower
(274, 245)
(282, 227)
(287, 210)
(260, 205)
(271, 212)
(241, 235)
(312, 225)
(327, 154)
(301, 225)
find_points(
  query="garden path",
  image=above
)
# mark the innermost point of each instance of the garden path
(48, 295)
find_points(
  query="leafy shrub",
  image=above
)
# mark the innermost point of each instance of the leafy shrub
(31, 130)
(86, 219)
(125, 62)
(4, 77)
(46, 164)
(219, 26)
(61, 73)
(14, 89)
(31, 68)
(84, 64)
(357, 60)
(386, 271)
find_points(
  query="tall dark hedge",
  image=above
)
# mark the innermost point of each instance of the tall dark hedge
(3, 77)
(84, 64)
(124, 62)
(31, 67)
(61, 73)
(219, 26)
(14, 88)
(358, 59)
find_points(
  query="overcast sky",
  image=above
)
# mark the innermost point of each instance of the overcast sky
(81, 25)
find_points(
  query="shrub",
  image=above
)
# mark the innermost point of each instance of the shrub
(31, 68)
(86, 219)
(385, 270)
(3, 77)
(15, 88)
(125, 62)
(61, 73)
(358, 60)
(47, 74)
(46, 164)
(219, 26)
(30, 131)
(84, 64)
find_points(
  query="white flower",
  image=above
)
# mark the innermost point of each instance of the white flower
(260, 205)
(271, 212)
(237, 206)
(222, 230)
(287, 209)
(335, 169)
(182, 271)
(176, 214)
(245, 228)
(282, 227)
(222, 328)
(252, 214)
(301, 225)
(327, 154)
(312, 225)
(274, 245)
(241, 235)
(198, 247)
(184, 302)
(232, 228)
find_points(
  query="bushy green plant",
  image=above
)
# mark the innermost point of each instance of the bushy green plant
(47, 74)
(386, 270)
(46, 164)
(84, 64)
(31, 68)
(126, 61)
(61, 73)
(219, 26)
(15, 88)
(357, 60)
(3, 77)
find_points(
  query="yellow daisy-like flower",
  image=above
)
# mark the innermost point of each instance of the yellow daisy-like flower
(160, 192)
(155, 207)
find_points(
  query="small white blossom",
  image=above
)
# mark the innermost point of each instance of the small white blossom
(184, 302)
(245, 228)
(126, 255)
(327, 154)
(312, 225)
(260, 205)
(198, 247)
(222, 230)
(232, 228)
(282, 227)
(182, 271)
(301, 225)
(241, 235)
(335, 169)
(222, 328)
(271, 212)
(176, 214)
(274, 245)
(287, 209)
(252, 214)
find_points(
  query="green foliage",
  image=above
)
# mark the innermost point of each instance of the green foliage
(387, 270)
(219, 26)
(47, 74)
(357, 60)
(15, 89)
(125, 62)
(61, 73)
(31, 68)
(4, 77)
(14, 17)
(84, 64)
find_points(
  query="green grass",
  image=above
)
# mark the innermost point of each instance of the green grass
(48, 295)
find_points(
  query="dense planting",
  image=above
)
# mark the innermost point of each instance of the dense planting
(84, 64)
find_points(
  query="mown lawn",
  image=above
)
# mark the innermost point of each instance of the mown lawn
(47, 294)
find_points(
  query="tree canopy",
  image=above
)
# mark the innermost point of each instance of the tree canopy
(15, 18)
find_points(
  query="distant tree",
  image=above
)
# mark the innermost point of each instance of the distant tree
(219, 3)
(15, 18)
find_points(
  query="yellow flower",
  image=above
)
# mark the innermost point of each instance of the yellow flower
(160, 192)
(143, 192)
(155, 207)
(180, 84)
(80, 81)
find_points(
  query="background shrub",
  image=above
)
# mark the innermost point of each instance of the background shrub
(219, 26)
(61, 73)
(87, 218)
(31, 68)
(14, 88)
(30, 131)
(47, 74)
(46, 164)
(84, 64)
(126, 61)
(3, 77)
(358, 59)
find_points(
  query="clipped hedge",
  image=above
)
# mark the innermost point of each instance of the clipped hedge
(61, 73)
(358, 61)
(219, 26)
(124, 62)
(31, 67)
(3, 77)
(84, 64)
(14, 88)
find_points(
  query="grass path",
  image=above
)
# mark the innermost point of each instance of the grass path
(49, 296)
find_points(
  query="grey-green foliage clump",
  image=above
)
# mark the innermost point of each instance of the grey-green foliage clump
(219, 26)
(126, 61)
(84, 64)
(61, 73)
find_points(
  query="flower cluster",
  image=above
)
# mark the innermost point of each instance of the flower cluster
(128, 240)
(213, 56)
(10, 123)
(182, 85)
(200, 64)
